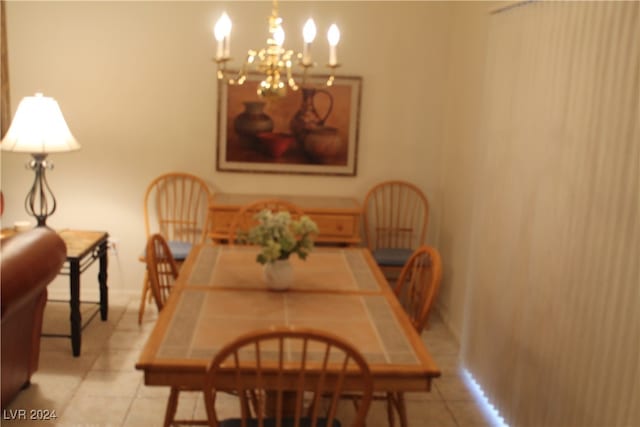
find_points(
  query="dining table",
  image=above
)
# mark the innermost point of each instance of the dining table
(220, 295)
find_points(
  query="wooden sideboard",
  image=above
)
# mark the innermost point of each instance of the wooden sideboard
(338, 218)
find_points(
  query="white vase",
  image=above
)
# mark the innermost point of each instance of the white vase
(278, 275)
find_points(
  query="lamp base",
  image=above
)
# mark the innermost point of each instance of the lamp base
(40, 202)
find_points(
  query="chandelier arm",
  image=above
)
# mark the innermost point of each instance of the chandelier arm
(332, 75)
(226, 75)
(241, 76)
(290, 80)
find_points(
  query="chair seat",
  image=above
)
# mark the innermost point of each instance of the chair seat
(271, 422)
(396, 257)
(179, 250)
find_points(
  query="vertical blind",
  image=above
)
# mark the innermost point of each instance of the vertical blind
(552, 327)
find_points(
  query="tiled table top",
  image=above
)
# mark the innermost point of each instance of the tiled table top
(324, 270)
(204, 321)
(220, 295)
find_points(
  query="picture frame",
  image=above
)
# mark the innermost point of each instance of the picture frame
(312, 131)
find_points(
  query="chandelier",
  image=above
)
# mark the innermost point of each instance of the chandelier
(274, 61)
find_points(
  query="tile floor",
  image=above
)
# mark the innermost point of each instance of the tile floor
(102, 387)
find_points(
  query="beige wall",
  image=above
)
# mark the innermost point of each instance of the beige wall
(136, 84)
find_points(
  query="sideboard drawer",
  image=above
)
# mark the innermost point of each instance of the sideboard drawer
(335, 225)
(221, 221)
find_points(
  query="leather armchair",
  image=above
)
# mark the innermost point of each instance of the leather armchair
(30, 261)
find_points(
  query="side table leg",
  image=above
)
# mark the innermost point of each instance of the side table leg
(102, 279)
(74, 303)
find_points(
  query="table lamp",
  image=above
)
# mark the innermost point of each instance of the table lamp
(38, 127)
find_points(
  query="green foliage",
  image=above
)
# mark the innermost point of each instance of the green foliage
(279, 236)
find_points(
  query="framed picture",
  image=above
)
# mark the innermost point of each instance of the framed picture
(313, 130)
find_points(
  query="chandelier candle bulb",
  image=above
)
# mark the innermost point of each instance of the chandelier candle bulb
(333, 35)
(222, 33)
(278, 36)
(309, 34)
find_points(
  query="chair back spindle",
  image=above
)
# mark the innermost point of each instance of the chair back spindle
(161, 268)
(396, 215)
(418, 284)
(177, 204)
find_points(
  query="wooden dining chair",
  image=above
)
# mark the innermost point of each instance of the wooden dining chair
(244, 219)
(418, 285)
(161, 268)
(396, 215)
(287, 365)
(416, 289)
(175, 206)
(162, 273)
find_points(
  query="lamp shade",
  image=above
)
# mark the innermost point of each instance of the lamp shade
(39, 127)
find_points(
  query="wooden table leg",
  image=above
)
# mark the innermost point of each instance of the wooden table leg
(143, 297)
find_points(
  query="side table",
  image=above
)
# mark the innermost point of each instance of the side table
(83, 249)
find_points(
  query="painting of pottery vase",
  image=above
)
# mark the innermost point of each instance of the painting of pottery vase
(311, 130)
(252, 121)
(307, 117)
(323, 144)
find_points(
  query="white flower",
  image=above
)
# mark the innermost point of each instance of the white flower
(280, 236)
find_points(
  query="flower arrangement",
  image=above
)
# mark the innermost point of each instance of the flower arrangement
(280, 236)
